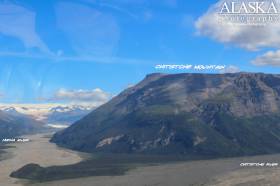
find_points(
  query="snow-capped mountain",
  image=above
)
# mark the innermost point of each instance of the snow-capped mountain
(10, 110)
(67, 115)
(51, 114)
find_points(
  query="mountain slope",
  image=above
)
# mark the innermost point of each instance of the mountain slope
(16, 125)
(194, 114)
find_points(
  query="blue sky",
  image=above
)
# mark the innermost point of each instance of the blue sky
(50, 47)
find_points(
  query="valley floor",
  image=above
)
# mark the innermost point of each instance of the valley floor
(38, 150)
(221, 172)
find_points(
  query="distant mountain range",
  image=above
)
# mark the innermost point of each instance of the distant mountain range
(214, 115)
(12, 125)
(66, 115)
(53, 115)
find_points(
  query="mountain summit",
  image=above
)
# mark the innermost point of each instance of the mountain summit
(192, 114)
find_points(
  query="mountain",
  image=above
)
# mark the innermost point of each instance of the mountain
(213, 115)
(11, 110)
(12, 125)
(66, 115)
(52, 114)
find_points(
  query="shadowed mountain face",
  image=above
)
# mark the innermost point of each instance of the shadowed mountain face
(192, 114)
(12, 125)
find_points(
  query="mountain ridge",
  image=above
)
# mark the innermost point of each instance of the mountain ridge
(58, 114)
(195, 114)
(16, 125)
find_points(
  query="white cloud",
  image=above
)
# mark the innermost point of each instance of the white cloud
(230, 69)
(271, 58)
(244, 36)
(94, 97)
(19, 22)
(90, 32)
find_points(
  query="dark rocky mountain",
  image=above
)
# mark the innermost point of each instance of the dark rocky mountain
(213, 115)
(12, 125)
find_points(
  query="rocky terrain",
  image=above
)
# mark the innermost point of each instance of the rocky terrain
(207, 115)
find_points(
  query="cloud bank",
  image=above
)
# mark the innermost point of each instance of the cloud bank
(245, 36)
(230, 69)
(271, 58)
(249, 37)
(93, 97)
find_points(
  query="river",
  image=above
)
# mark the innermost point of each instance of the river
(220, 172)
